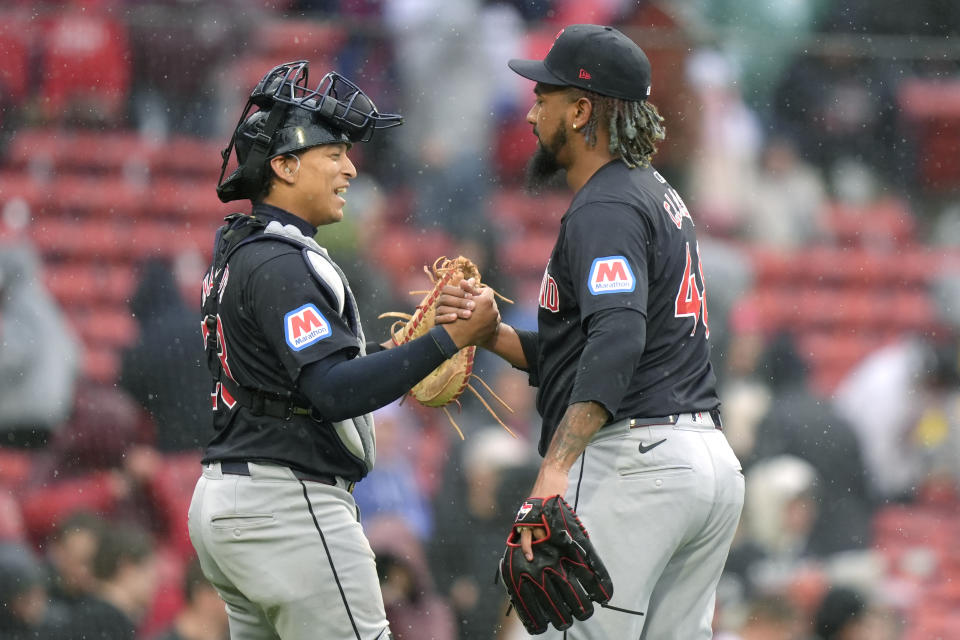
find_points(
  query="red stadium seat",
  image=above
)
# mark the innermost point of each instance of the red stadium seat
(16, 33)
(189, 201)
(517, 211)
(105, 326)
(166, 238)
(772, 268)
(76, 284)
(78, 150)
(887, 223)
(932, 107)
(912, 311)
(90, 240)
(101, 364)
(15, 467)
(527, 256)
(187, 158)
(404, 252)
(15, 184)
(515, 144)
(89, 197)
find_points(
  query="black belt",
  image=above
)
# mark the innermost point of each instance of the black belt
(672, 419)
(241, 468)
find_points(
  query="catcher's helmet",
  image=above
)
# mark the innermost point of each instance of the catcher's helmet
(292, 117)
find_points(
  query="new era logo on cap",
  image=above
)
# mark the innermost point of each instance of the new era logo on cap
(584, 74)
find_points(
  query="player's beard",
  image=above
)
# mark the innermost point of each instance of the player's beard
(543, 169)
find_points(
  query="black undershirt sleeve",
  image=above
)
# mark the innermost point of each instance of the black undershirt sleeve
(615, 342)
(530, 343)
(341, 388)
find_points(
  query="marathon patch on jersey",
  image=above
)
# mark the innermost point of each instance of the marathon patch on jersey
(304, 326)
(611, 275)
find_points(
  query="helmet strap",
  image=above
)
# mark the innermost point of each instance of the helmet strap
(261, 144)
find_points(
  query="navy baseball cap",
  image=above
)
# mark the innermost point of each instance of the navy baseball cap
(592, 57)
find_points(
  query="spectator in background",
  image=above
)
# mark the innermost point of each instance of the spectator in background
(393, 489)
(747, 394)
(125, 572)
(476, 503)
(846, 613)
(447, 89)
(729, 141)
(879, 399)
(24, 612)
(414, 608)
(839, 105)
(70, 553)
(772, 546)
(164, 370)
(85, 69)
(782, 507)
(39, 354)
(167, 99)
(472, 514)
(204, 616)
(726, 263)
(101, 463)
(936, 430)
(786, 206)
(768, 618)
(800, 424)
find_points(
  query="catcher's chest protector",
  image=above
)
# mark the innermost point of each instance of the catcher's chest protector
(356, 434)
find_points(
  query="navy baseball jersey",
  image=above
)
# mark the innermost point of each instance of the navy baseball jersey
(274, 319)
(626, 241)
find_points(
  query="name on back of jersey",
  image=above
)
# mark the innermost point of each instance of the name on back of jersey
(304, 326)
(611, 274)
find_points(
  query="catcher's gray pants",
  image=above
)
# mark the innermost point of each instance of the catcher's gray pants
(288, 556)
(662, 521)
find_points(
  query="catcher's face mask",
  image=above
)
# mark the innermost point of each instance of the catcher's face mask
(291, 117)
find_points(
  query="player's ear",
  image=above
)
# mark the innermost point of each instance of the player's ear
(284, 169)
(582, 110)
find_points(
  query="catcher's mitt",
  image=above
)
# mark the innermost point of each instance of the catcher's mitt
(565, 574)
(447, 382)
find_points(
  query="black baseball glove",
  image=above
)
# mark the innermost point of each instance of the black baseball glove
(566, 573)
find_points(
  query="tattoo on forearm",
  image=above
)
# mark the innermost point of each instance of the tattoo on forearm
(579, 423)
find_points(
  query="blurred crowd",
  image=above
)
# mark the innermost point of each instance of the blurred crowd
(815, 143)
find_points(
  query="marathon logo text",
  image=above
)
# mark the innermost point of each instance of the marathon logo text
(304, 326)
(611, 275)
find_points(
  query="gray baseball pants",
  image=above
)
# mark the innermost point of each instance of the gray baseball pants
(662, 517)
(288, 556)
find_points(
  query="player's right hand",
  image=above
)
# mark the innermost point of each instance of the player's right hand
(456, 301)
(481, 324)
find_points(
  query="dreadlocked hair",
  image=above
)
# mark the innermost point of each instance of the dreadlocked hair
(635, 126)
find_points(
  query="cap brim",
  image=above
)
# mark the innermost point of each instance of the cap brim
(535, 70)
